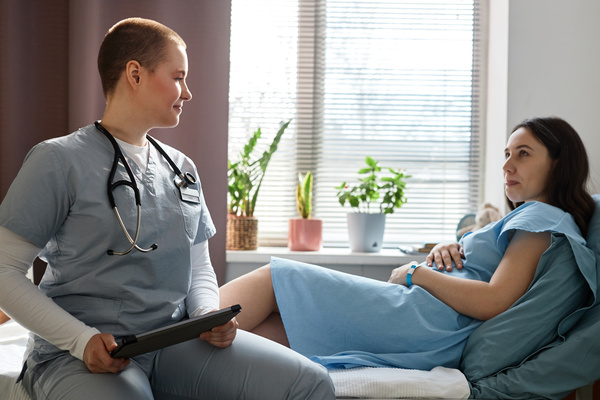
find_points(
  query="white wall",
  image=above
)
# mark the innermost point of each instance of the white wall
(550, 53)
(497, 101)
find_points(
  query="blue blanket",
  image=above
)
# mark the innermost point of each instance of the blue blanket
(562, 289)
(345, 321)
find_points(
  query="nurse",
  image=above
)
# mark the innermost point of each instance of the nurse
(105, 280)
(423, 316)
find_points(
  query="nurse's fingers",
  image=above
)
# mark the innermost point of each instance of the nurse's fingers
(222, 335)
(96, 355)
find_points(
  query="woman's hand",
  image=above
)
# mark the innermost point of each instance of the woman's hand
(96, 355)
(222, 335)
(443, 254)
(398, 275)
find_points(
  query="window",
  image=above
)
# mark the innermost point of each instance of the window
(391, 79)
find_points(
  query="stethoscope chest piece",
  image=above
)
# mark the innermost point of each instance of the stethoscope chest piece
(188, 179)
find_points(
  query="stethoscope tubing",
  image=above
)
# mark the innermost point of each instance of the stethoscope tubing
(133, 241)
(185, 180)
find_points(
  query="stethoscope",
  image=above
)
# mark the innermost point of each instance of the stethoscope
(183, 181)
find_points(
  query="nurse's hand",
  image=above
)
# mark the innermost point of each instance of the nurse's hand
(443, 254)
(96, 355)
(222, 335)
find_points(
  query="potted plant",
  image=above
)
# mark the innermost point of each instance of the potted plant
(305, 233)
(244, 178)
(372, 198)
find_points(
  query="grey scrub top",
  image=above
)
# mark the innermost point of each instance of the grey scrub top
(59, 202)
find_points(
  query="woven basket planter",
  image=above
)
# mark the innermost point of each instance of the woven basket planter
(242, 233)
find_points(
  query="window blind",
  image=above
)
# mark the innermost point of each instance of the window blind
(394, 80)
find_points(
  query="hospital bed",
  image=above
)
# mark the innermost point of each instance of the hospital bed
(501, 360)
(371, 383)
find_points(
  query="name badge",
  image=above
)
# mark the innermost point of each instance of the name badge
(189, 193)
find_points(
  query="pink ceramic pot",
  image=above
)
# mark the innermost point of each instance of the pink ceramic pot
(305, 234)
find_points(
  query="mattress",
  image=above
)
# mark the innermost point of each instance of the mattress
(371, 383)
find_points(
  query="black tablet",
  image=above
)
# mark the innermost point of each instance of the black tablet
(134, 345)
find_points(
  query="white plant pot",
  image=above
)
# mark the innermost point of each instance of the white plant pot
(365, 232)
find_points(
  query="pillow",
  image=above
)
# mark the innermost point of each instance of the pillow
(564, 365)
(552, 373)
(546, 310)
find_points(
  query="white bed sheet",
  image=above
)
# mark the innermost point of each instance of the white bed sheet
(13, 342)
(371, 383)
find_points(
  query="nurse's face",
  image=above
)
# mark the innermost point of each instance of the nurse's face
(166, 89)
(527, 167)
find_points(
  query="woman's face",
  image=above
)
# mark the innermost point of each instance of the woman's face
(527, 167)
(166, 88)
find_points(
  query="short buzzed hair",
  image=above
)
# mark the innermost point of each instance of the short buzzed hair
(139, 39)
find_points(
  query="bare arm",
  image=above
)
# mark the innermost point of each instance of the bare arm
(483, 300)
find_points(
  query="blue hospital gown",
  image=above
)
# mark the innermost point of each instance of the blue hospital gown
(345, 321)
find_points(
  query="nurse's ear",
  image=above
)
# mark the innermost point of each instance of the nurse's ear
(133, 73)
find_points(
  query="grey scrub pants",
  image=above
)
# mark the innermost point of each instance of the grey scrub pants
(251, 368)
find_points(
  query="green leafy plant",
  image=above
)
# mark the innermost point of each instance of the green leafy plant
(384, 192)
(304, 194)
(245, 176)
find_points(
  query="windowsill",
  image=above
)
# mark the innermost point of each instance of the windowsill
(328, 255)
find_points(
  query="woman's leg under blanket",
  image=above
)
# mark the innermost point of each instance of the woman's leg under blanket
(251, 368)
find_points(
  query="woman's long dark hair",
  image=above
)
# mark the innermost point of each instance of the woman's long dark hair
(567, 187)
